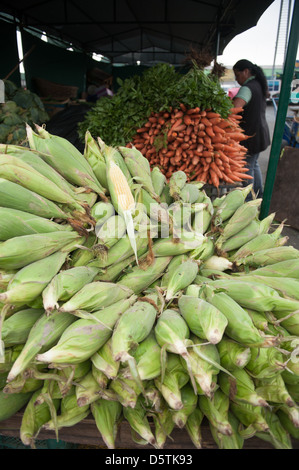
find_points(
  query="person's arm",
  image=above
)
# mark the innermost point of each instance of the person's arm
(239, 102)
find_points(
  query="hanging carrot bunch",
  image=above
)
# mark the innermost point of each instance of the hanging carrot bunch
(199, 142)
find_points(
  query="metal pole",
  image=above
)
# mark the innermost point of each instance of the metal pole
(283, 103)
(277, 38)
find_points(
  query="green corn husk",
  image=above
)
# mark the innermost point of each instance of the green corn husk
(99, 376)
(233, 354)
(193, 290)
(270, 256)
(125, 389)
(172, 266)
(239, 220)
(95, 158)
(251, 416)
(103, 360)
(17, 171)
(107, 416)
(132, 328)
(14, 196)
(251, 231)
(158, 180)
(265, 362)
(216, 410)
(137, 418)
(24, 382)
(189, 399)
(240, 326)
(66, 284)
(86, 336)
(96, 295)
(163, 425)
(87, 390)
(177, 182)
(5, 278)
(121, 251)
(44, 333)
(9, 357)
(18, 252)
(139, 169)
(255, 296)
(108, 235)
(180, 278)
(16, 328)
(187, 241)
(174, 378)
(67, 375)
(102, 211)
(29, 282)
(292, 412)
(288, 268)
(15, 223)
(142, 276)
(205, 251)
(70, 414)
(11, 403)
(235, 441)
(277, 435)
(34, 416)
(273, 389)
(193, 427)
(286, 286)
(204, 364)
(241, 388)
(259, 320)
(172, 332)
(65, 158)
(148, 358)
(288, 424)
(203, 319)
(230, 203)
(33, 158)
(202, 219)
(263, 241)
(83, 255)
(190, 192)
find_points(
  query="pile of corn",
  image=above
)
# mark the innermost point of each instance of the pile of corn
(125, 297)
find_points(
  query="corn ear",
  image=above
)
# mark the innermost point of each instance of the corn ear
(171, 382)
(193, 427)
(65, 158)
(216, 410)
(16, 328)
(11, 403)
(233, 354)
(18, 252)
(95, 158)
(203, 318)
(70, 414)
(189, 399)
(139, 278)
(102, 211)
(180, 278)
(230, 203)
(96, 295)
(107, 416)
(104, 362)
(276, 435)
(158, 180)
(235, 441)
(45, 332)
(85, 337)
(241, 388)
(14, 196)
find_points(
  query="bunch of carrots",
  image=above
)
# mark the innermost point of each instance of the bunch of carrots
(199, 142)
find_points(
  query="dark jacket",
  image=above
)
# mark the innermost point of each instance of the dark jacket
(254, 120)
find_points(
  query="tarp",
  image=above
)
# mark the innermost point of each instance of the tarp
(140, 30)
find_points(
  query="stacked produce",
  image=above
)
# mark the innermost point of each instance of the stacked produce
(127, 297)
(199, 142)
(20, 107)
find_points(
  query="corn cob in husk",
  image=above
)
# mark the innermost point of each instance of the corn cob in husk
(276, 435)
(223, 441)
(10, 403)
(173, 379)
(86, 336)
(107, 416)
(15, 329)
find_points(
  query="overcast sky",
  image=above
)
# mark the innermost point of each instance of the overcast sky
(257, 44)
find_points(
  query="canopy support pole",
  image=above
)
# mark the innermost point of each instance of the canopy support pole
(283, 103)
